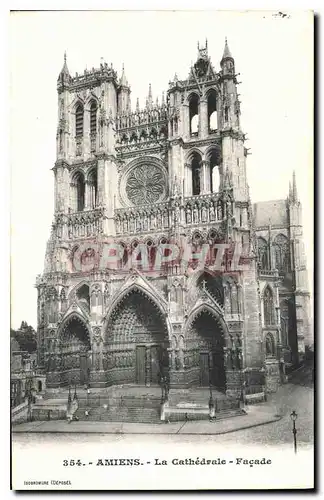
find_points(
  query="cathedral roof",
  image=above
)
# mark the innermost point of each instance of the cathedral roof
(272, 212)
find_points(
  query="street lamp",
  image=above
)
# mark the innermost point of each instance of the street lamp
(293, 417)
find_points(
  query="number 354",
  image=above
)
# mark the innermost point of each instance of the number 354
(71, 462)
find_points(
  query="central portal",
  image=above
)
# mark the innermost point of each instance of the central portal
(137, 341)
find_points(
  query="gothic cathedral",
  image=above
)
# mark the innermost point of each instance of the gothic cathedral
(171, 174)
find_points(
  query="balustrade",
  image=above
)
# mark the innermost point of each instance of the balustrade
(203, 209)
(134, 220)
(195, 210)
(139, 117)
(86, 223)
(162, 216)
(79, 224)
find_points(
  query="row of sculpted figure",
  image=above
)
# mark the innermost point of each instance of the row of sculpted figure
(144, 220)
(138, 117)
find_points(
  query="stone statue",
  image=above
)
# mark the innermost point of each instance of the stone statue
(211, 212)
(195, 214)
(219, 211)
(203, 214)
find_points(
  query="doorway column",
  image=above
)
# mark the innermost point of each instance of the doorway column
(97, 374)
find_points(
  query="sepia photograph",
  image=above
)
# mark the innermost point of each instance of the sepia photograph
(162, 214)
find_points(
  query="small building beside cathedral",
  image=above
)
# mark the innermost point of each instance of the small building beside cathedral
(147, 181)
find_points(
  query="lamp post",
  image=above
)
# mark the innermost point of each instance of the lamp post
(293, 417)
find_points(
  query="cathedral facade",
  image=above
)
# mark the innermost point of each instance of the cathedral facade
(121, 299)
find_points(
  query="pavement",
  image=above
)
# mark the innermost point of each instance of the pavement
(255, 416)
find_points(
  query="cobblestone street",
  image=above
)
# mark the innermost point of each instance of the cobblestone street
(288, 398)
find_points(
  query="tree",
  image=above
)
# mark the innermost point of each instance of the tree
(25, 336)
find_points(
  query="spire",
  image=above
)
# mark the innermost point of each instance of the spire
(123, 81)
(64, 76)
(163, 98)
(149, 97)
(227, 53)
(290, 191)
(137, 104)
(294, 188)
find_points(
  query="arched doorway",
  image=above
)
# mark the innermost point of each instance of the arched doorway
(75, 351)
(206, 336)
(136, 341)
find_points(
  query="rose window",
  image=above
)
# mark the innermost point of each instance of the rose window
(145, 184)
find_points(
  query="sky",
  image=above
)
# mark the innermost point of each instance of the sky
(274, 57)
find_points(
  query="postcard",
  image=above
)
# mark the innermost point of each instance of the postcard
(162, 250)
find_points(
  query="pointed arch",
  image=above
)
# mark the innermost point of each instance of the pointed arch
(93, 117)
(83, 296)
(194, 103)
(73, 290)
(213, 156)
(192, 153)
(197, 236)
(268, 306)
(263, 253)
(281, 253)
(68, 328)
(212, 110)
(89, 100)
(78, 191)
(133, 137)
(213, 284)
(143, 135)
(92, 180)
(201, 308)
(206, 337)
(137, 323)
(79, 119)
(148, 292)
(195, 163)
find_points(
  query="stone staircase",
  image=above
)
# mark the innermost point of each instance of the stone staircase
(131, 403)
(113, 404)
(120, 408)
(193, 404)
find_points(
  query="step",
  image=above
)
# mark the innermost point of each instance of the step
(177, 415)
(120, 415)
